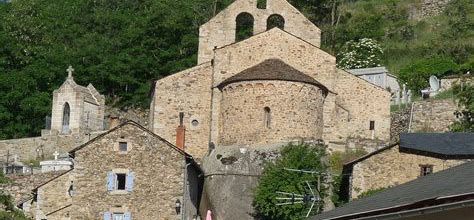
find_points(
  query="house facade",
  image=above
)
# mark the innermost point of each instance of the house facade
(416, 155)
(125, 173)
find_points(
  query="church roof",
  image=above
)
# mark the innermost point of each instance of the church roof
(272, 69)
(90, 93)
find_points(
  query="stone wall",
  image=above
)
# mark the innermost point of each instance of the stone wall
(188, 92)
(220, 30)
(357, 103)
(449, 82)
(158, 181)
(432, 115)
(399, 123)
(390, 168)
(294, 106)
(431, 8)
(38, 148)
(52, 197)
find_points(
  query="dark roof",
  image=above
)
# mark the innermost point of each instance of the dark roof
(272, 69)
(444, 187)
(445, 145)
(133, 123)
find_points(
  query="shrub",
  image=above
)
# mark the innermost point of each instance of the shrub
(417, 73)
(276, 178)
(360, 54)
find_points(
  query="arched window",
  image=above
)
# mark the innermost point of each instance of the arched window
(66, 117)
(261, 4)
(244, 26)
(275, 20)
(267, 118)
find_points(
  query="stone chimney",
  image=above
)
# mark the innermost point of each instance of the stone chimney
(180, 132)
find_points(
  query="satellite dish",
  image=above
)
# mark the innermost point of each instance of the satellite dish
(434, 83)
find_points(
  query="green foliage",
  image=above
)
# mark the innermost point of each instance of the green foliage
(370, 192)
(465, 97)
(416, 74)
(275, 178)
(336, 162)
(10, 212)
(361, 54)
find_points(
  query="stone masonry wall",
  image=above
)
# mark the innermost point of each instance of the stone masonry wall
(220, 30)
(432, 115)
(294, 106)
(158, 181)
(391, 168)
(38, 148)
(53, 196)
(189, 92)
(359, 102)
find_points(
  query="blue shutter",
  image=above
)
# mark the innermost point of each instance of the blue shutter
(127, 216)
(129, 182)
(107, 216)
(110, 181)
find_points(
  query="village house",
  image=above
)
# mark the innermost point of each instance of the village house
(127, 172)
(416, 155)
(448, 194)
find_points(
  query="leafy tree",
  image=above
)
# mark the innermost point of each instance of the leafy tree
(465, 97)
(361, 54)
(275, 178)
(416, 74)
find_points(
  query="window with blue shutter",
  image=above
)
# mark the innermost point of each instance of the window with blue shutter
(129, 182)
(107, 216)
(110, 181)
(127, 216)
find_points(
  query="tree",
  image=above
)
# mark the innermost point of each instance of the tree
(276, 178)
(360, 54)
(417, 73)
(465, 97)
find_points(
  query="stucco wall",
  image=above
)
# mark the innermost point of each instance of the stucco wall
(220, 30)
(295, 112)
(390, 168)
(158, 181)
(189, 92)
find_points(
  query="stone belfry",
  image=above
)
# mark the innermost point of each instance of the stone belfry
(76, 109)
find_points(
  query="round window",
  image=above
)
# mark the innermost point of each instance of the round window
(195, 122)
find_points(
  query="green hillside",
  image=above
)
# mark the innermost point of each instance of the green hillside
(121, 46)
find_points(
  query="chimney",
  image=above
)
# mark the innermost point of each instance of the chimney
(180, 132)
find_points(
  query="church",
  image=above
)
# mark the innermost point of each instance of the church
(262, 79)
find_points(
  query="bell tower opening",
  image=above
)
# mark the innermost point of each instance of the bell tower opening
(267, 118)
(66, 118)
(244, 26)
(275, 20)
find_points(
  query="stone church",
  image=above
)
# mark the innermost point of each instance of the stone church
(272, 86)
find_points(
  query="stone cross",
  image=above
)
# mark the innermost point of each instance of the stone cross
(56, 154)
(69, 70)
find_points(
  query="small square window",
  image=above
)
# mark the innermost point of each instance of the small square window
(372, 125)
(120, 181)
(123, 146)
(426, 170)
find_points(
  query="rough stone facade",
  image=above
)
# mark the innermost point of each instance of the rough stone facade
(391, 167)
(295, 107)
(220, 30)
(156, 178)
(347, 111)
(432, 115)
(448, 82)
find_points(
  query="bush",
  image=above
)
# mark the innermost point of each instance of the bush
(361, 54)
(276, 178)
(417, 74)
